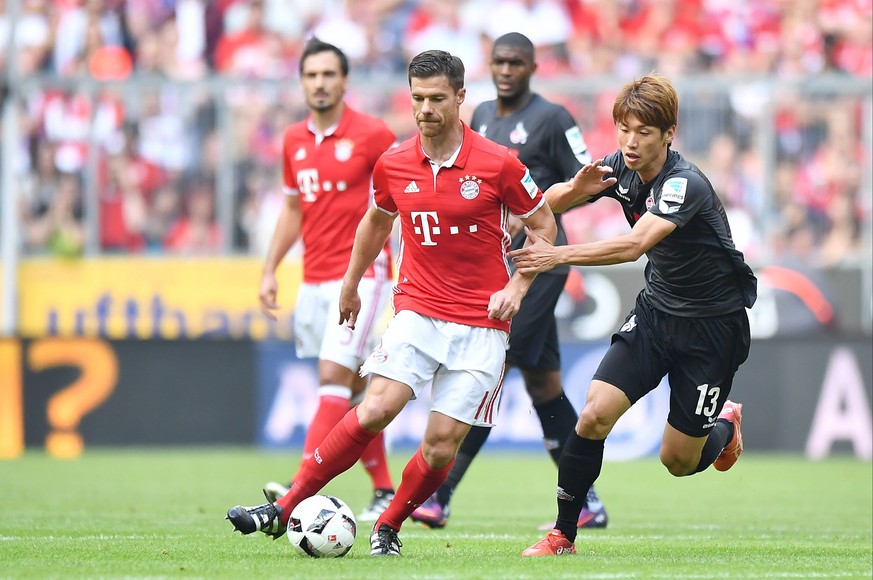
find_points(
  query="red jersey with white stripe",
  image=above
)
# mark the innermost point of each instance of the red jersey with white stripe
(332, 179)
(454, 239)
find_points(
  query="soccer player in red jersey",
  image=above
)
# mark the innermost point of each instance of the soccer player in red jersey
(453, 191)
(548, 141)
(328, 162)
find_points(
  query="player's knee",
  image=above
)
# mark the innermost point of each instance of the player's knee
(438, 453)
(333, 373)
(593, 424)
(537, 392)
(676, 464)
(374, 414)
(542, 386)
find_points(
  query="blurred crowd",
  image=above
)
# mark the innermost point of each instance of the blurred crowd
(160, 146)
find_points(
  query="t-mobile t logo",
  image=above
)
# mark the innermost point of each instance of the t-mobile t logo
(307, 183)
(429, 226)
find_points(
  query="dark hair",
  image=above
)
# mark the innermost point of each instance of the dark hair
(652, 100)
(435, 63)
(516, 40)
(316, 46)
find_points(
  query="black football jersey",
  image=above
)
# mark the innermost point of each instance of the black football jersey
(546, 139)
(696, 271)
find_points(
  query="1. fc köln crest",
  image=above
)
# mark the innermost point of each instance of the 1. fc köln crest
(343, 150)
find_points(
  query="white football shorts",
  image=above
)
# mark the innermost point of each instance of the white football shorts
(317, 332)
(464, 363)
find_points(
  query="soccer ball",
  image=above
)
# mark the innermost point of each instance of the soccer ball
(322, 526)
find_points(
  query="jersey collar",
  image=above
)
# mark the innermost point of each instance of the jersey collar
(459, 158)
(336, 128)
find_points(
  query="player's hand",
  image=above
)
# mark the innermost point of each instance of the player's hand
(504, 304)
(349, 305)
(267, 295)
(592, 179)
(538, 256)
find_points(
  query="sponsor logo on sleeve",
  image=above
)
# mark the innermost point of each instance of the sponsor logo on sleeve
(529, 184)
(672, 195)
(577, 144)
(674, 190)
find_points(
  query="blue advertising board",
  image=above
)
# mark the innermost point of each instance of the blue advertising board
(286, 400)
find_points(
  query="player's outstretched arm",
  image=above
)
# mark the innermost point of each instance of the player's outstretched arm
(504, 304)
(284, 236)
(370, 238)
(542, 256)
(588, 181)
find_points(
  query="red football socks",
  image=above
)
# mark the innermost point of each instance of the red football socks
(418, 483)
(332, 406)
(341, 448)
(375, 461)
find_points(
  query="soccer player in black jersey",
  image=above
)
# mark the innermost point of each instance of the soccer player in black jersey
(689, 321)
(548, 141)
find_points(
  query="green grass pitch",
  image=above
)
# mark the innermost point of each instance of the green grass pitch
(160, 513)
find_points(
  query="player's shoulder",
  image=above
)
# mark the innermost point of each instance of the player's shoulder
(546, 108)
(296, 131)
(367, 124)
(483, 112)
(544, 104)
(682, 178)
(683, 169)
(401, 152)
(615, 160)
(487, 148)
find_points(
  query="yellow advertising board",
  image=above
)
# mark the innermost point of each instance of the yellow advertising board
(141, 297)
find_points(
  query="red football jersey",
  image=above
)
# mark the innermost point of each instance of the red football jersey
(453, 225)
(333, 182)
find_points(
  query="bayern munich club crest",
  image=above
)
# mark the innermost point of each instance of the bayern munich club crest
(343, 150)
(469, 186)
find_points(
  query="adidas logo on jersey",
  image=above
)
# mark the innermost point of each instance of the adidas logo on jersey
(411, 188)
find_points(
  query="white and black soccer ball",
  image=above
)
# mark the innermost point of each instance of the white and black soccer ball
(322, 526)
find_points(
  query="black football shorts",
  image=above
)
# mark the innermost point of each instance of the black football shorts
(699, 356)
(533, 335)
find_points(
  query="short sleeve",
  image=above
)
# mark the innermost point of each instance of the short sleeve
(382, 140)
(569, 149)
(381, 194)
(680, 198)
(289, 181)
(520, 192)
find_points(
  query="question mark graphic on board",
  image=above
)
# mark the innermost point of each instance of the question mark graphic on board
(65, 409)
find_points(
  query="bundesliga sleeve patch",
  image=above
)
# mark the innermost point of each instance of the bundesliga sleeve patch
(577, 143)
(674, 190)
(672, 195)
(529, 184)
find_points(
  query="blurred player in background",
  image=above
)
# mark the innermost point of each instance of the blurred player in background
(548, 141)
(328, 164)
(453, 191)
(689, 322)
